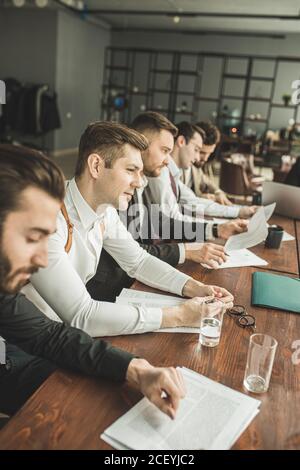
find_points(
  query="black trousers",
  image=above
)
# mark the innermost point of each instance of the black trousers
(21, 377)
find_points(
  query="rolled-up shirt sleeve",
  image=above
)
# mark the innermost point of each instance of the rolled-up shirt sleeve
(206, 206)
(60, 286)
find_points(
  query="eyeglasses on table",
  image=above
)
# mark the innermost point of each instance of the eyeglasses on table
(242, 317)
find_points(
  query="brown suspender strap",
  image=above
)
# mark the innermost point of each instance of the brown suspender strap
(68, 245)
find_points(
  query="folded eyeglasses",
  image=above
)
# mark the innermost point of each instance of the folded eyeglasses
(242, 318)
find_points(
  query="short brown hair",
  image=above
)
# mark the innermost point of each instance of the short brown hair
(22, 167)
(153, 122)
(212, 133)
(187, 129)
(107, 139)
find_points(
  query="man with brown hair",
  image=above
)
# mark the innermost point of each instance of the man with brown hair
(149, 224)
(31, 193)
(195, 177)
(176, 199)
(107, 174)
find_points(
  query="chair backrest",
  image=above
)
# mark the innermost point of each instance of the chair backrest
(233, 179)
(279, 176)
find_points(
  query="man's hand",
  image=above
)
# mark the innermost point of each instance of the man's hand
(206, 253)
(247, 211)
(189, 313)
(186, 314)
(193, 288)
(221, 198)
(232, 228)
(163, 386)
(223, 295)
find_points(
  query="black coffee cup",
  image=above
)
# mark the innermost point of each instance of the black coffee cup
(274, 237)
(257, 199)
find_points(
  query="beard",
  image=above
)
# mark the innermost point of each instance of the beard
(7, 286)
(199, 164)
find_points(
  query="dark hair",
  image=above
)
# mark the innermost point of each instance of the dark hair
(153, 122)
(212, 133)
(187, 129)
(20, 168)
(107, 139)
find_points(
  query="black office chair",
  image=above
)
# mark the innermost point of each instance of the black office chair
(293, 177)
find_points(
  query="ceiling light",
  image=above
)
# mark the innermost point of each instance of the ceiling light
(18, 3)
(176, 19)
(41, 3)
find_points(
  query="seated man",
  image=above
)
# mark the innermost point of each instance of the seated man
(147, 226)
(31, 193)
(108, 171)
(173, 195)
(195, 178)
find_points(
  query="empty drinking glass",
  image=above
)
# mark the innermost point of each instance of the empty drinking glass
(261, 353)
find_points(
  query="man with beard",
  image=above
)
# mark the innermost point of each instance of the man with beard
(31, 193)
(195, 178)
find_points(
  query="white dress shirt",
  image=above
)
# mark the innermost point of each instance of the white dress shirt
(160, 191)
(60, 288)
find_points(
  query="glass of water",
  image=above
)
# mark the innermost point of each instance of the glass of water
(261, 353)
(212, 313)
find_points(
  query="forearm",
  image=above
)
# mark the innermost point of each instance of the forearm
(25, 326)
(155, 273)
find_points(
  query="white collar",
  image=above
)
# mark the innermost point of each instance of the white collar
(173, 168)
(86, 214)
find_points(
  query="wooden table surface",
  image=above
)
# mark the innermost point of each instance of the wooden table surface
(70, 411)
(286, 258)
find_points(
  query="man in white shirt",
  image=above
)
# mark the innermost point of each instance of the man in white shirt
(176, 197)
(108, 172)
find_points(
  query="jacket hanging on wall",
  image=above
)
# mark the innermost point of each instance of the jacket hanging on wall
(31, 109)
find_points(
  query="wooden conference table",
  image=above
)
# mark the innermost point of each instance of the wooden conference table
(70, 411)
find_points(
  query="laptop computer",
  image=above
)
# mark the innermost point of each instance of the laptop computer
(287, 198)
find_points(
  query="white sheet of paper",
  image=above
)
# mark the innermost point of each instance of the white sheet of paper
(239, 258)
(257, 232)
(211, 416)
(287, 237)
(269, 210)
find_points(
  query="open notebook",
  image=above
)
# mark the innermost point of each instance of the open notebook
(211, 416)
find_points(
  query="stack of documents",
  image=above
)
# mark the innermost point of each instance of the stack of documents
(210, 417)
(138, 298)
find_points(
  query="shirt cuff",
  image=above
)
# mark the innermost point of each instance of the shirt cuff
(181, 248)
(209, 231)
(232, 211)
(150, 320)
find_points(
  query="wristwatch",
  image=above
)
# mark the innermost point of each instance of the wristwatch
(215, 231)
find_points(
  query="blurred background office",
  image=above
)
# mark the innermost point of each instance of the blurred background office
(66, 63)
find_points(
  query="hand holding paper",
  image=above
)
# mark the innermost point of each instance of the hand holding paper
(257, 231)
